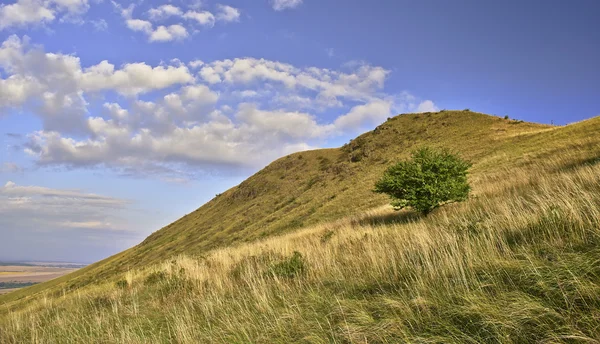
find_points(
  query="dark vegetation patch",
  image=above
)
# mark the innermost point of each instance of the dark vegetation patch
(14, 285)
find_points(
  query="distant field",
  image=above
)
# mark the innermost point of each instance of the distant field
(5, 291)
(18, 274)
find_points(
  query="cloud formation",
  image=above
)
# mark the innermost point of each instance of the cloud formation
(227, 13)
(239, 113)
(36, 217)
(176, 31)
(32, 205)
(39, 12)
(280, 5)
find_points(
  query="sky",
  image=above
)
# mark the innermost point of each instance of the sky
(119, 117)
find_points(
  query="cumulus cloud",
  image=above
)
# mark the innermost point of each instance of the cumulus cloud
(368, 114)
(329, 85)
(238, 113)
(280, 5)
(55, 85)
(227, 13)
(161, 33)
(163, 12)
(139, 25)
(196, 64)
(427, 106)
(203, 18)
(168, 33)
(37, 12)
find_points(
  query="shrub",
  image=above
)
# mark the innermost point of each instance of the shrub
(289, 268)
(506, 117)
(122, 284)
(155, 277)
(430, 179)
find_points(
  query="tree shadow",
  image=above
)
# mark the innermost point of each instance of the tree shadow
(578, 163)
(397, 217)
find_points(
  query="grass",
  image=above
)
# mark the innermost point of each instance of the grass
(517, 263)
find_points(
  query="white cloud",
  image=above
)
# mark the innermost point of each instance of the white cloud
(116, 112)
(368, 114)
(164, 11)
(132, 78)
(427, 106)
(72, 6)
(227, 13)
(168, 33)
(39, 12)
(55, 85)
(204, 18)
(204, 121)
(196, 64)
(280, 5)
(125, 12)
(174, 32)
(295, 125)
(329, 85)
(161, 33)
(25, 12)
(139, 25)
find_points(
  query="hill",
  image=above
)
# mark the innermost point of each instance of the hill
(326, 191)
(309, 187)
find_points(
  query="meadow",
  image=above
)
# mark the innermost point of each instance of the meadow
(517, 263)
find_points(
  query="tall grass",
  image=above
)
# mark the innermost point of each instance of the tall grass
(518, 263)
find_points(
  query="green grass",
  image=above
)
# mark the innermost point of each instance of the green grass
(517, 263)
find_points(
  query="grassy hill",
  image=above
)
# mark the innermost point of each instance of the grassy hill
(513, 264)
(306, 188)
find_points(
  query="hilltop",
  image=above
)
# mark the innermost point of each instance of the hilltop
(526, 213)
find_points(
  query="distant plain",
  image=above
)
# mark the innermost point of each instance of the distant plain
(29, 274)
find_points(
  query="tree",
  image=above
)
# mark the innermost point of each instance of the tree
(430, 179)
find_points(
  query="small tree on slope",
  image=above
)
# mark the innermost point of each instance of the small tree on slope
(430, 179)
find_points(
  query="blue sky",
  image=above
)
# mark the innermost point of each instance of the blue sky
(118, 117)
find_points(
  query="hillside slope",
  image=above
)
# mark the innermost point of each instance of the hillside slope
(323, 185)
(516, 263)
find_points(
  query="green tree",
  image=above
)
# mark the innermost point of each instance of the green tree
(430, 179)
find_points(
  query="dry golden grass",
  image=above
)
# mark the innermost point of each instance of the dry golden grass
(517, 263)
(324, 185)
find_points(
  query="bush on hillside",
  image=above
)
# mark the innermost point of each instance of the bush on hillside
(290, 267)
(430, 179)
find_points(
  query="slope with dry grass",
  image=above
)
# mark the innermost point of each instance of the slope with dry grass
(307, 188)
(514, 264)
(517, 263)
